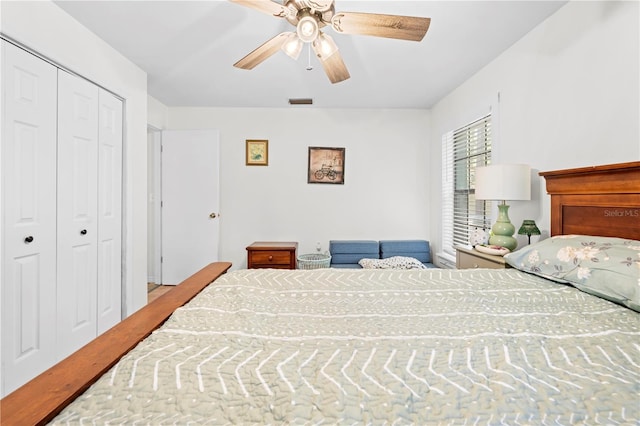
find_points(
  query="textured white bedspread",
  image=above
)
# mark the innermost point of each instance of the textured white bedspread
(381, 347)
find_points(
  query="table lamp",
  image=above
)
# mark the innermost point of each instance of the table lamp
(502, 182)
(528, 228)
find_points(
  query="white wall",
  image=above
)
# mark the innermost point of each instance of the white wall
(48, 30)
(569, 97)
(157, 113)
(386, 167)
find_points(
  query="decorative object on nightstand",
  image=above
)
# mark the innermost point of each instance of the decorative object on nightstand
(502, 182)
(493, 250)
(478, 236)
(528, 228)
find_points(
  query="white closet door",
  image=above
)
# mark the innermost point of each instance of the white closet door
(29, 216)
(109, 211)
(77, 212)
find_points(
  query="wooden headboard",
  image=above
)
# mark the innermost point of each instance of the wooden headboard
(599, 200)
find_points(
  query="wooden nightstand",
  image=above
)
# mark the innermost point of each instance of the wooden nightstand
(468, 258)
(270, 254)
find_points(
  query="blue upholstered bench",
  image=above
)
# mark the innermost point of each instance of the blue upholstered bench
(347, 253)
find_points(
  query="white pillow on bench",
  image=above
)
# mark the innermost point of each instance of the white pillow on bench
(394, 262)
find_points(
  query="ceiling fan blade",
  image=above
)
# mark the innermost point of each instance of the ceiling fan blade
(373, 24)
(262, 53)
(335, 68)
(265, 6)
(329, 55)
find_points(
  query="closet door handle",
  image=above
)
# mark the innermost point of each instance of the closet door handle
(83, 232)
(28, 239)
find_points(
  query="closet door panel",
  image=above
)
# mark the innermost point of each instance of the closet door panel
(109, 211)
(28, 216)
(77, 212)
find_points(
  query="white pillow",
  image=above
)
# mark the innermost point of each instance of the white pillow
(394, 262)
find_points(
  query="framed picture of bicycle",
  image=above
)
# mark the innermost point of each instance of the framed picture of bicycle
(326, 165)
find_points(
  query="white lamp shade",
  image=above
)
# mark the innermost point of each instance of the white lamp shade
(324, 46)
(292, 46)
(503, 182)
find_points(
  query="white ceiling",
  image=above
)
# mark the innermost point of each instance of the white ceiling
(188, 48)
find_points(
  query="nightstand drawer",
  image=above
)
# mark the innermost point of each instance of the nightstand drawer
(473, 262)
(270, 258)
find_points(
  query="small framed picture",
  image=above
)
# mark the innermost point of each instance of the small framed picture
(257, 152)
(326, 165)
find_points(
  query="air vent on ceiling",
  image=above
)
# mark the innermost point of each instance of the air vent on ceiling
(301, 101)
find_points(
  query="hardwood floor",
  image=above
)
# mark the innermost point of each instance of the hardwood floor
(154, 291)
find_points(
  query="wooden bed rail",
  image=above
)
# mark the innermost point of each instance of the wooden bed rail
(41, 399)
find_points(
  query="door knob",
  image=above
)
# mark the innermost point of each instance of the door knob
(213, 215)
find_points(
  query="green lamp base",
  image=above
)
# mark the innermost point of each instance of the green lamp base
(502, 231)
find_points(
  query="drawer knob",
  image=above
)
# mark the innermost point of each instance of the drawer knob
(28, 239)
(83, 232)
(270, 258)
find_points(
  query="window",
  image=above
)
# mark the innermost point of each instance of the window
(462, 151)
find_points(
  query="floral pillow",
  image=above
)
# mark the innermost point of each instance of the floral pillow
(604, 266)
(393, 262)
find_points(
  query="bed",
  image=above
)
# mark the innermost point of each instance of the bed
(428, 346)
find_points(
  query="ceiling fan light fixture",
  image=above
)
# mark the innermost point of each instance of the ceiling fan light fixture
(325, 45)
(307, 28)
(292, 46)
(309, 16)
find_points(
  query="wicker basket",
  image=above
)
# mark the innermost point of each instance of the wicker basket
(314, 261)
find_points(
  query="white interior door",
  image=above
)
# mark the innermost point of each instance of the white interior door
(28, 216)
(77, 212)
(109, 211)
(190, 202)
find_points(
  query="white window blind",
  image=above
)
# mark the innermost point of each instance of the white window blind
(463, 150)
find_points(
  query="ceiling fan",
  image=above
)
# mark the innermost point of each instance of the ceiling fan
(309, 16)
